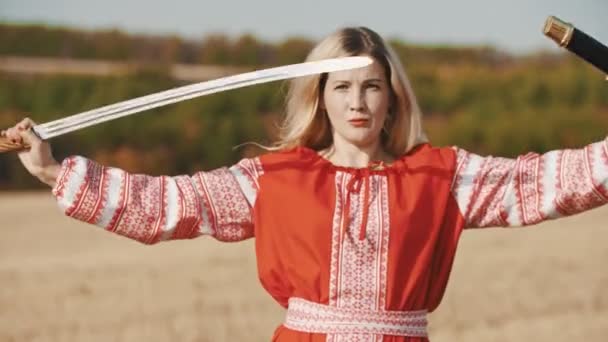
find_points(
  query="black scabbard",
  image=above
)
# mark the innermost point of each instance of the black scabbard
(577, 42)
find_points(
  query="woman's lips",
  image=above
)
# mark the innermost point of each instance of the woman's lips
(358, 122)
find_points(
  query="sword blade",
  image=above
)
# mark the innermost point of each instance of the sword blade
(114, 111)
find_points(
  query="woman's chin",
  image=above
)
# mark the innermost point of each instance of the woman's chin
(362, 139)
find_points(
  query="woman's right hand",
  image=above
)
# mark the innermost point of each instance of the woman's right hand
(38, 159)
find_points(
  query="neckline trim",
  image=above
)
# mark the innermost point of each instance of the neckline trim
(398, 164)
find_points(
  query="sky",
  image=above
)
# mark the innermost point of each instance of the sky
(511, 25)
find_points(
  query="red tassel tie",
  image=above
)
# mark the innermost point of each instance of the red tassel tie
(354, 186)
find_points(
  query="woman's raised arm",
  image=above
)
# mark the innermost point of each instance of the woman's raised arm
(151, 209)
(532, 188)
(144, 208)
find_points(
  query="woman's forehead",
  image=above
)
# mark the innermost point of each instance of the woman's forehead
(372, 71)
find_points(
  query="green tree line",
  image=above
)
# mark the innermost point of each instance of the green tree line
(478, 98)
(219, 49)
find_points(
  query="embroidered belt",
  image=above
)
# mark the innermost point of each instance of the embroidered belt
(306, 316)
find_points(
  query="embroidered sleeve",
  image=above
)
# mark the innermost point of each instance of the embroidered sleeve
(494, 191)
(152, 209)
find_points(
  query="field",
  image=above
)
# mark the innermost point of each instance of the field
(61, 280)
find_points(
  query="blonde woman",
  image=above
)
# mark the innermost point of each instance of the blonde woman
(356, 216)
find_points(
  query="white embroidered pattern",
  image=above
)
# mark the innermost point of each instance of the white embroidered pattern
(189, 209)
(576, 188)
(490, 183)
(68, 168)
(353, 324)
(225, 204)
(93, 198)
(247, 172)
(527, 184)
(532, 188)
(358, 268)
(143, 212)
(151, 209)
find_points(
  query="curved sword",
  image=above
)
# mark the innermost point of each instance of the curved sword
(114, 111)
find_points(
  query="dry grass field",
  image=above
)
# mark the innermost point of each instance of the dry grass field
(61, 280)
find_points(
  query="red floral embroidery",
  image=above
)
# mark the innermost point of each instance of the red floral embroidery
(252, 169)
(82, 189)
(575, 188)
(228, 209)
(490, 185)
(143, 215)
(189, 209)
(527, 183)
(93, 198)
(142, 205)
(65, 173)
(352, 324)
(580, 185)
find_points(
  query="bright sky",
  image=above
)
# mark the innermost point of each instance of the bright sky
(514, 25)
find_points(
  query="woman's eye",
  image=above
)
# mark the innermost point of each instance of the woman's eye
(373, 86)
(341, 87)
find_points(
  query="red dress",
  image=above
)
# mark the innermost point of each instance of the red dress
(355, 245)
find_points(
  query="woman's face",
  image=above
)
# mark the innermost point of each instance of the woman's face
(357, 102)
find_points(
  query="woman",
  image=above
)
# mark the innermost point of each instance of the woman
(356, 217)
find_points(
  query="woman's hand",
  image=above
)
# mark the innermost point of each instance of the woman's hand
(38, 159)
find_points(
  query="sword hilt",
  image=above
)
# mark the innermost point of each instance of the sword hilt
(8, 146)
(577, 42)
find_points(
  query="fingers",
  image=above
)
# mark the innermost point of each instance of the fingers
(26, 123)
(21, 131)
(12, 135)
(29, 138)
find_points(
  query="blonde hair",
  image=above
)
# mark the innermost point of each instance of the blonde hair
(306, 124)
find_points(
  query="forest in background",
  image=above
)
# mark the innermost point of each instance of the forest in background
(476, 97)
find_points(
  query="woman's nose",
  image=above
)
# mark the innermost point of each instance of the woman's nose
(356, 100)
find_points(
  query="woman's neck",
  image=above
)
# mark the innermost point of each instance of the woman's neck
(349, 155)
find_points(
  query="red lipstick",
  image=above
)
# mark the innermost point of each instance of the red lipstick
(358, 122)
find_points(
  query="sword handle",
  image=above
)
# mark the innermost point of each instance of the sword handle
(8, 146)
